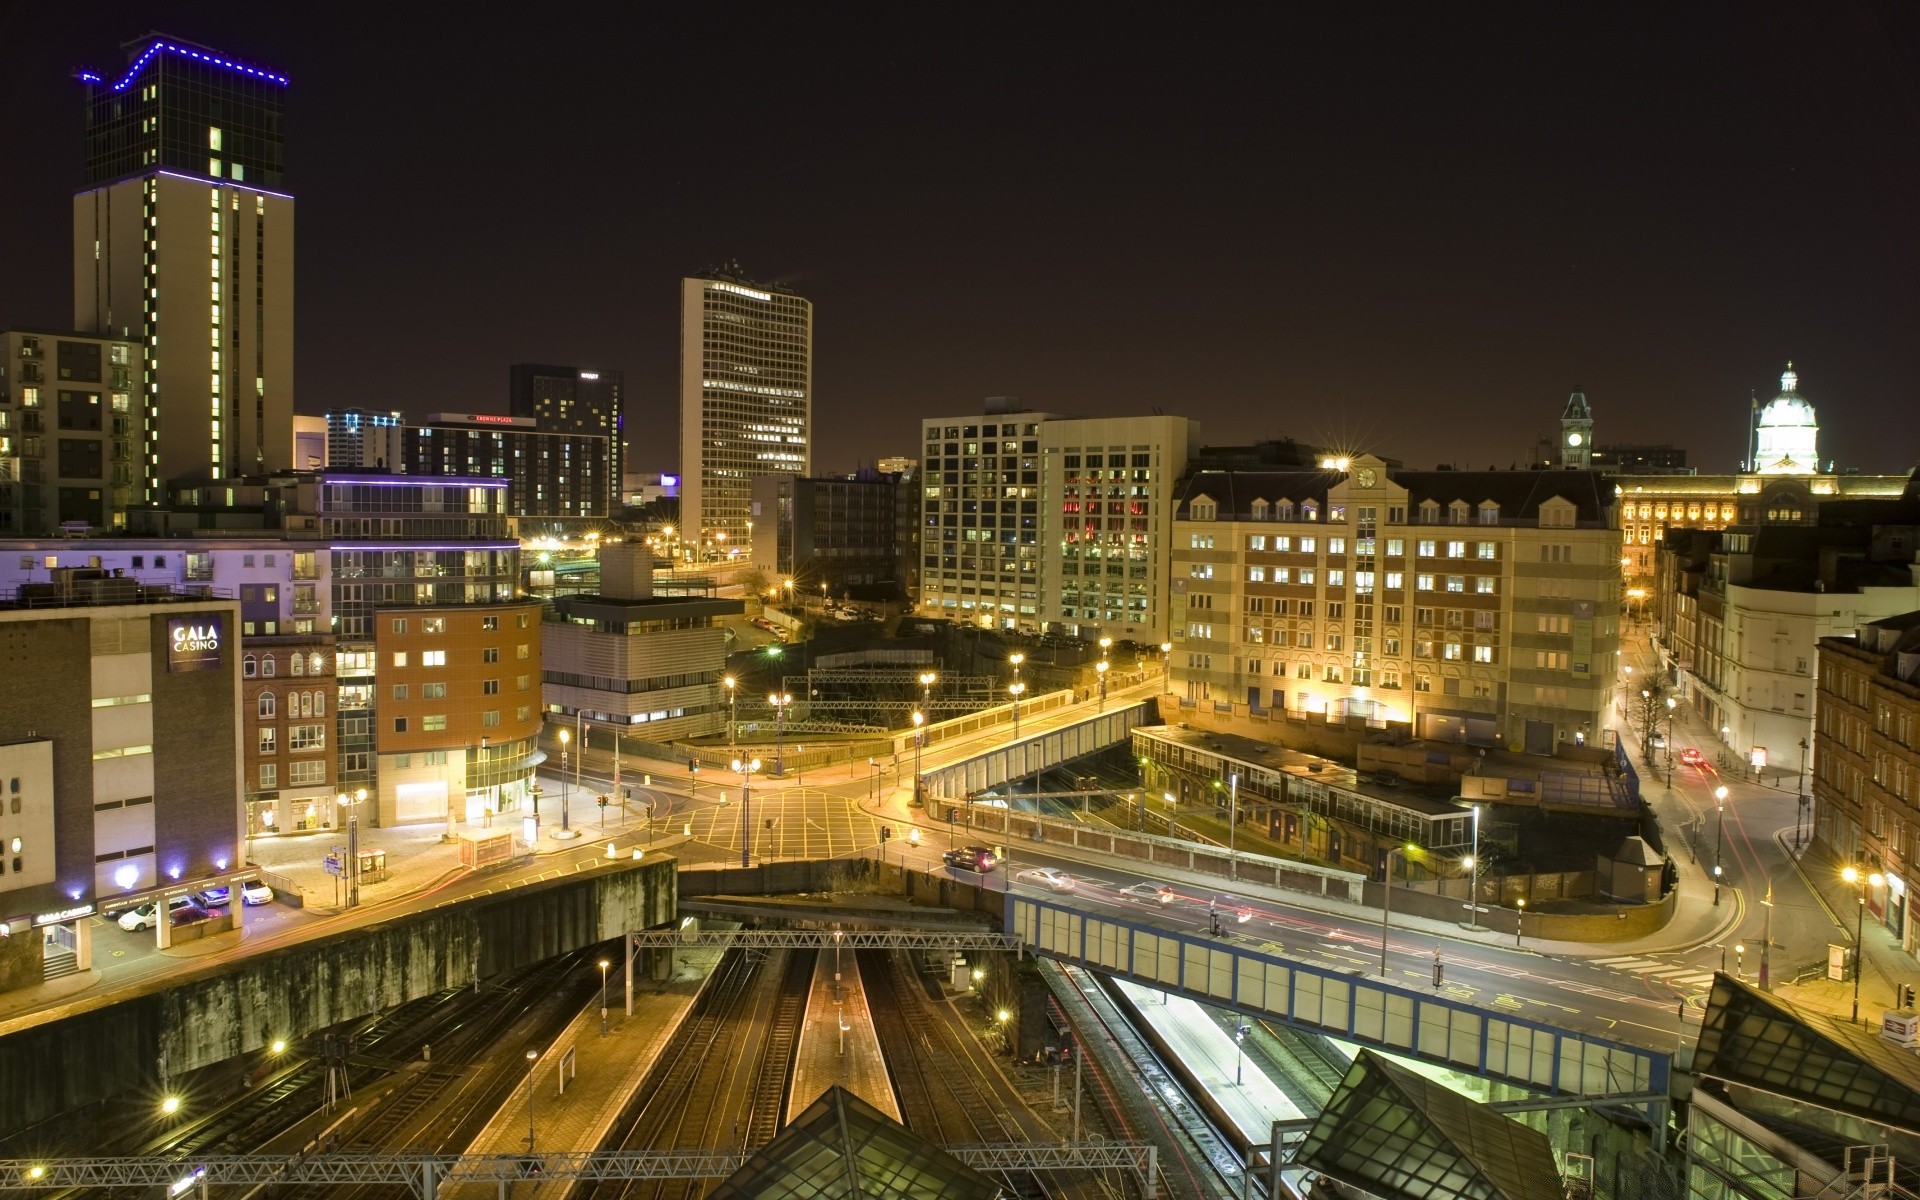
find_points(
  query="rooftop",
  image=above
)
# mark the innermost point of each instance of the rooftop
(1433, 802)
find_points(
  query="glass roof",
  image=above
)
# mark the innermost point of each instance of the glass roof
(842, 1148)
(1401, 1136)
(1753, 1038)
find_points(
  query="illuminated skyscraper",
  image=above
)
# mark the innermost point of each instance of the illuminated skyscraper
(746, 401)
(183, 241)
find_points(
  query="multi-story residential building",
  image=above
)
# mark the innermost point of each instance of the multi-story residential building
(1787, 487)
(626, 658)
(355, 439)
(1036, 521)
(746, 401)
(399, 541)
(71, 431)
(1743, 610)
(1866, 762)
(120, 756)
(841, 531)
(183, 239)
(459, 712)
(287, 706)
(555, 476)
(578, 404)
(1476, 606)
(309, 443)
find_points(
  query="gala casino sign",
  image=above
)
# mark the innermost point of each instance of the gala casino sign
(193, 643)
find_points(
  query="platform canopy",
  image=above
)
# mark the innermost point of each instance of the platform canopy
(1398, 1135)
(842, 1148)
(1757, 1040)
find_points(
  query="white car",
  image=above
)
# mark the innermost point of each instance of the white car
(1148, 893)
(254, 892)
(144, 917)
(1047, 877)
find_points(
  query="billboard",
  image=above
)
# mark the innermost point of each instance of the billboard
(193, 643)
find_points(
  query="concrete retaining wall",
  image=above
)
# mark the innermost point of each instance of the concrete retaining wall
(1616, 925)
(213, 1014)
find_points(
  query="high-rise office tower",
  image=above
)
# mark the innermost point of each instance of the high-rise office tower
(183, 240)
(355, 437)
(575, 400)
(746, 401)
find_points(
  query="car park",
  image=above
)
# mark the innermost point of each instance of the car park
(1148, 893)
(979, 859)
(255, 892)
(145, 916)
(1047, 877)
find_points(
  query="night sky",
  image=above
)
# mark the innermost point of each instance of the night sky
(1410, 234)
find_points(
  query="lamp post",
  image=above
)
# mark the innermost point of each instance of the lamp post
(1014, 690)
(1100, 670)
(1240, 1032)
(1233, 825)
(1386, 903)
(1800, 795)
(1519, 917)
(566, 738)
(533, 1056)
(604, 964)
(779, 700)
(1473, 875)
(919, 739)
(731, 683)
(745, 769)
(1852, 875)
(1719, 838)
(1166, 668)
(927, 680)
(1671, 704)
(352, 805)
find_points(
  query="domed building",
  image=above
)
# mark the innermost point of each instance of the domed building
(1786, 432)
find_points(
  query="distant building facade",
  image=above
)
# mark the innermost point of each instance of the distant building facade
(1475, 606)
(353, 438)
(1036, 521)
(1620, 458)
(577, 403)
(746, 402)
(72, 431)
(852, 533)
(553, 476)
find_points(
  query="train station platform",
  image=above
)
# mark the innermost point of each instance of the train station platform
(601, 1073)
(1236, 1086)
(837, 1043)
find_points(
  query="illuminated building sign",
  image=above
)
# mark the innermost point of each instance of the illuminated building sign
(193, 643)
(65, 914)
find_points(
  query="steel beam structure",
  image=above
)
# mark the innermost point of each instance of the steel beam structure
(425, 1174)
(824, 939)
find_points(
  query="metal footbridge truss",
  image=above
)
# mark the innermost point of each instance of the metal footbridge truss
(825, 939)
(425, 1174)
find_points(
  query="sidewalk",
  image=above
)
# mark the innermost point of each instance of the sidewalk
(609, 1070)
(1884, 962)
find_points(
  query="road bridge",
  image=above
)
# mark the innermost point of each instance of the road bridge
(1037, 752)
(1423, 1025)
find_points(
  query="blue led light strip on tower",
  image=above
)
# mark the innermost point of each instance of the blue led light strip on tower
(138, 63)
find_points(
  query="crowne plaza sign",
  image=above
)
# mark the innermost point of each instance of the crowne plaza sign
(193, 643)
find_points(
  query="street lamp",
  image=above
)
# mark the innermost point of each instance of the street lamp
(1800, 794)
(745, 769)
(1719, 837)
(1671, 704)
(779, 700)
(1473, 875)
(1519, 917)
(1386, 902)
(1014, 690)
(919, 739)
(1240, 1032)
(352, 805)
(533, 1056)
(1852, 875)
(565, 738)
(604, 964)
(927, 680)
(731, 683)
(1166, 668)
(1100, 670)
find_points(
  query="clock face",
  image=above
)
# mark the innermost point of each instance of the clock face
(1574, 439)
(1364, 477)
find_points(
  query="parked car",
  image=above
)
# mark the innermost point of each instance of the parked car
(1693, 758)
(145, 917)
(970, 858)
(1658, 741)
(255, 892)
(1148, 893)
(213, 897)
(1047, 877)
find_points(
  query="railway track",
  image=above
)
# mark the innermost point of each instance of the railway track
(776, 1063)
(934, 1080)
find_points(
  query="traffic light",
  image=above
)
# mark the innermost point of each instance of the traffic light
(1906, 997)
(886, 832)
(602, 799)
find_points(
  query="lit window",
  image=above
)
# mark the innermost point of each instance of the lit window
(433, 658)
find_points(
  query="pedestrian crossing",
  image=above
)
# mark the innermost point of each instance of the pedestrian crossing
(1681, 977)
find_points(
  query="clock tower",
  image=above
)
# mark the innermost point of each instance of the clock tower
(1576, 433)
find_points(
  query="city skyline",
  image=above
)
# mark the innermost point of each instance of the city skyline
(1553, 200)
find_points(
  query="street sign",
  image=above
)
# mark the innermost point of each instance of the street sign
(1479, 908)
(332, 864)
